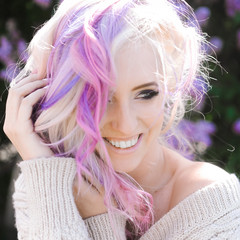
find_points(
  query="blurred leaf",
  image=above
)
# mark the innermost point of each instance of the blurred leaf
(230, 113)
(237, 18)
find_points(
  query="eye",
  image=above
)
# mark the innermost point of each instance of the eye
(147, 94)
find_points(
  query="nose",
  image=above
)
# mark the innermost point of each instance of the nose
(124, 119)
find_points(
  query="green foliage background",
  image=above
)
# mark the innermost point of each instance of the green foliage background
(223, 105)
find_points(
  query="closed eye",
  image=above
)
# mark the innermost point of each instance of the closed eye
(147, 94)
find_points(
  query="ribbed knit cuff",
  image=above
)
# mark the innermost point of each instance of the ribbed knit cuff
(51, 203)
(99, 227)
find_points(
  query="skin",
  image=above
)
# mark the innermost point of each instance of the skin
(159, 170)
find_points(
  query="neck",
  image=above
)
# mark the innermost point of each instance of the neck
(155, 171)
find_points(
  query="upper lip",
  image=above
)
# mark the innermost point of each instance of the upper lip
(122, 139)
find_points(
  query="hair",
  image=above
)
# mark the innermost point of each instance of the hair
(75, 50)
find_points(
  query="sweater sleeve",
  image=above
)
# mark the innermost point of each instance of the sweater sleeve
(45, 207)
(44, 203)
(99, 227)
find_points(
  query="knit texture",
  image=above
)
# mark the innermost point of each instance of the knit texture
(99, 227)
(44, 202)
(212, 212)
(45, 209)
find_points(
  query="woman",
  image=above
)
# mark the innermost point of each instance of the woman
(92, 115)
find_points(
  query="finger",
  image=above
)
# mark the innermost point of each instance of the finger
(16, 95)
(26, 107)
(22, 116)
(28, 78)
(27, 88)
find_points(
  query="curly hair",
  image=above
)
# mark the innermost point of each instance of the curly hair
(75, 50)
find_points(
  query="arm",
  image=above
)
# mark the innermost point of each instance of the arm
(43, 200)
(44, 206)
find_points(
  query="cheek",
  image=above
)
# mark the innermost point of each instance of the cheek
(150, 110)
(155, 125)
(151, 115)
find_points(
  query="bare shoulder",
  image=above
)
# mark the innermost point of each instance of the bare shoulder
(194, 176)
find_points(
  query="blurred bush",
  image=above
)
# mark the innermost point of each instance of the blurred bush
(221, 20)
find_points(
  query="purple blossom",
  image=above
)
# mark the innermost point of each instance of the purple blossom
(5, 47)
(236, 126)
(43, 3)
(201, 85)
(198, 132)
(214, 46)
(9, 73)
(202, 15)
(5, 50)
(217, 44)
(198, 93)
(21, 49)
(232, 7)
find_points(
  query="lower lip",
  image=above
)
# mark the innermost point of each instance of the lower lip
(126, 150)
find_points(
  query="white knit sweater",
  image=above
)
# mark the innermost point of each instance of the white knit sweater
(45, 209)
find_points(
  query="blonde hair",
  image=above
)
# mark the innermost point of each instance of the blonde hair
(75, 50)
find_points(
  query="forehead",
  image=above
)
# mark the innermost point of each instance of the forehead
(136, 63)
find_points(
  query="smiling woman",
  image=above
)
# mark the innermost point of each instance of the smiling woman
(132, 121)
(109, 82)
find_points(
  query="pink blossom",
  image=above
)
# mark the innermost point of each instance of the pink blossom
(236, 126)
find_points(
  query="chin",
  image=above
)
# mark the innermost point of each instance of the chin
(126, 165)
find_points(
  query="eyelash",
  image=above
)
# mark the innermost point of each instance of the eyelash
(147, 94)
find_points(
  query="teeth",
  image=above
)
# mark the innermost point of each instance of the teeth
(124, 144)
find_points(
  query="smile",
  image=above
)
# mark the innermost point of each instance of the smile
(124, 144)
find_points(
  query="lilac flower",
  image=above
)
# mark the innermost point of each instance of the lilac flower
(21, 49)
(217, 44)
(201, 85)
(5, 50)
(43, 3)
(9, 73)
(236, 126)
(232, 7)
(202, 15)
(198, 93)
(198, 132)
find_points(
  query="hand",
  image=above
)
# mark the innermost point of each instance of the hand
(18, 125)
(90, 199)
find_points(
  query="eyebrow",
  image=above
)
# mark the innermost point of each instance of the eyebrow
(145, 85)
